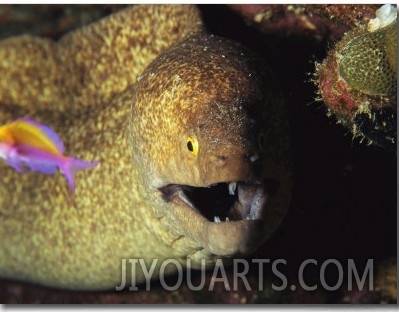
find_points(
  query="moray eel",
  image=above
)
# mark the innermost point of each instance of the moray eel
(190, 132)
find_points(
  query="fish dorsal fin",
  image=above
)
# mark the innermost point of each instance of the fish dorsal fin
(32, 133)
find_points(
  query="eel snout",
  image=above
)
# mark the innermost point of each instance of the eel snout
(225, 219)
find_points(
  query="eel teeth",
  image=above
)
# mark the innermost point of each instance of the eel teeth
(232, 187)
(185, 199)
(256, 204)
(246, 201)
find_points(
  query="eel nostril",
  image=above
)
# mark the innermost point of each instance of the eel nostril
(247, 157)
(221, 160)
(254, 157)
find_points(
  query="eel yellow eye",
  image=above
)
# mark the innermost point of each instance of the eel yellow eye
(192, 145)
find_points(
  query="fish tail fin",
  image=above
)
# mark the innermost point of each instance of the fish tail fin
(72, 165)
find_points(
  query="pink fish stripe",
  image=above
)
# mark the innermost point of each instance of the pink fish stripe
(47, 163)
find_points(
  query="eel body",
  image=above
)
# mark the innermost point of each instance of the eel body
(190, 132)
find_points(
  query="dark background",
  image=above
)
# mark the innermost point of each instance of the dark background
(344, 200)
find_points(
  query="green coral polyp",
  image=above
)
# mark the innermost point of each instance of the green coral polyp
(367, 63)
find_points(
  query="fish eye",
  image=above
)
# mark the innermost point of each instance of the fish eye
(192, 145)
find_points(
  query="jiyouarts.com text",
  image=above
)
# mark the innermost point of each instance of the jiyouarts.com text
(355, 278)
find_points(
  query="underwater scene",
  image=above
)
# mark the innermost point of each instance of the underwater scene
(198, 154)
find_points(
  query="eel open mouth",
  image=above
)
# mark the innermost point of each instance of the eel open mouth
(225, 201)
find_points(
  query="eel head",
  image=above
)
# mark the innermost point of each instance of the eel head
(201, 110)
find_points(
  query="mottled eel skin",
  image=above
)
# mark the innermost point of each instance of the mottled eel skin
(128, 91)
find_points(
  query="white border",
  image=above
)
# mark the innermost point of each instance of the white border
(197, 2)
(206, 307)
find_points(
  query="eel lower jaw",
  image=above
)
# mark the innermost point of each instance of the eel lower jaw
(222, 202)
(221, 220)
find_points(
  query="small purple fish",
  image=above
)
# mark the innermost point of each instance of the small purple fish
(25, 143)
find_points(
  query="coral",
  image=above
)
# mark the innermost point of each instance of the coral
(313, 21)
(49, 20)
(357, 80)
